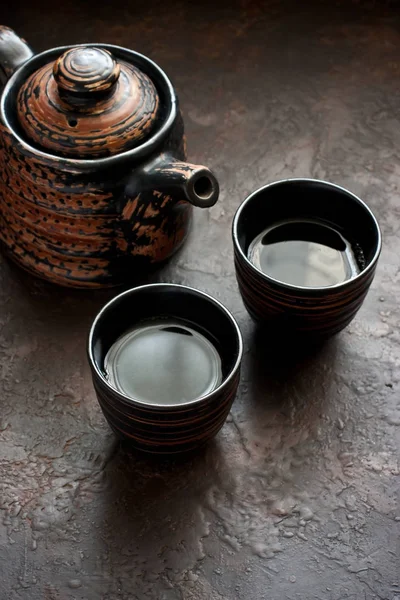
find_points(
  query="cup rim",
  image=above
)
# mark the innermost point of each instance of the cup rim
(291, 286)
(179, 288)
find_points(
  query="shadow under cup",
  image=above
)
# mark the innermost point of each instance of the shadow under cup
(316, 312)
(158, 427)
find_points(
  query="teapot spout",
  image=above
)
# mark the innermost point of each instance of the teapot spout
(14, 52)
(196, 183)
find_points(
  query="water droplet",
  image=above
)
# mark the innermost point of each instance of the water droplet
(41, 525)
(340, 424)
(288, 534)
(279, 511)
(293, 578)
(393, 419)
(75, 583)
(34, 544)
(306, 513)
(259, 549)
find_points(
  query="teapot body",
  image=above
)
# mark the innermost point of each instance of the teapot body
(80, 229)
(94, 223)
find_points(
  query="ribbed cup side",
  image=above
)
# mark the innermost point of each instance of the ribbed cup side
(167, 430)
(321, 312)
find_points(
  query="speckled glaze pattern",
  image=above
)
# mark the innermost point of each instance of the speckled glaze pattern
(82, 230)
(175, 428)
(289, 309)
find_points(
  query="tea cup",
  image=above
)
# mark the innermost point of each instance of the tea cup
(305, 256)
(165, 362)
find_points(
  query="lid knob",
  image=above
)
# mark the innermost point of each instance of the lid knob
(85, 70)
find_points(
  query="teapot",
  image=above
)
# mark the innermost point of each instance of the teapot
(94, 187)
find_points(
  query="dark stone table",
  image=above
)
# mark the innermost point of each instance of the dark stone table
(297, 497)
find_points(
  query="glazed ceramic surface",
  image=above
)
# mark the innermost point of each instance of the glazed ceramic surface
(286, 308)
(160, 428)
(94, 187)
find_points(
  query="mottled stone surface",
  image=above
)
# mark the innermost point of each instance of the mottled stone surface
(297, 498)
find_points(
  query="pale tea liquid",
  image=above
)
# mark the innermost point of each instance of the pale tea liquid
(305, 253)
(163, 362)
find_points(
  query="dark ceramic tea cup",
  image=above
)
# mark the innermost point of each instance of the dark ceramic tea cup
(335, 243)
(165, 362)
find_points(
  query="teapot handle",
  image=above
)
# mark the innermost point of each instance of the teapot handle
(14, 52)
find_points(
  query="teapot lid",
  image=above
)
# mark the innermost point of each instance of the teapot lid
(87, 105)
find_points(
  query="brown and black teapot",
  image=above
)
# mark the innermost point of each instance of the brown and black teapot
(93, 183)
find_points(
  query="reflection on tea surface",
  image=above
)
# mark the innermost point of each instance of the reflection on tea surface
(304, 253)
(163, 362)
